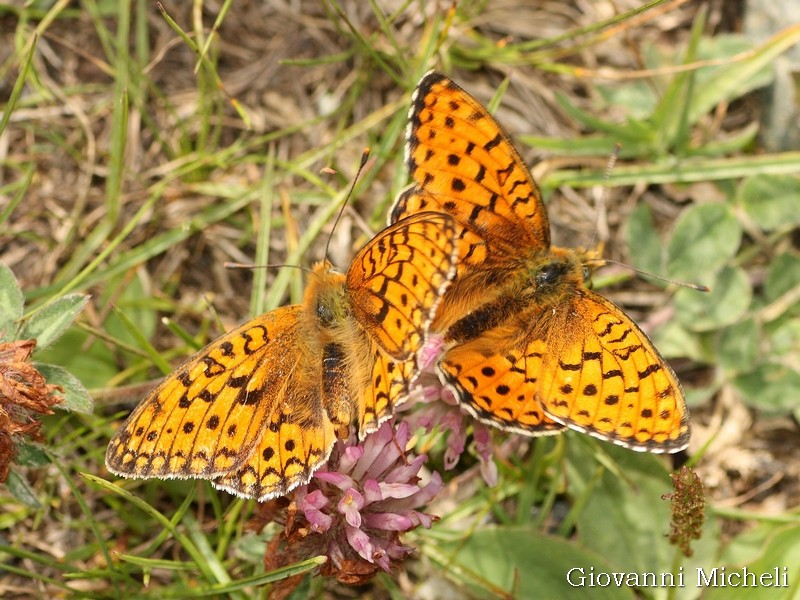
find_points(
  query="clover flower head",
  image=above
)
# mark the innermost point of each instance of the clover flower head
(355, 508)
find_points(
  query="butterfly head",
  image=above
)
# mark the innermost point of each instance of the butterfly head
(558, 269)
(325, 295)
(556, 275)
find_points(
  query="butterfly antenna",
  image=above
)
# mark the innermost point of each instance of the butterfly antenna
(364, 159)
(646, 275)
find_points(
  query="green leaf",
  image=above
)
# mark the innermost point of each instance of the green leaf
(128, 294)
(670, 116)
(725, 304)
(21, 490)
(589, 145)
(734, 78)
(631, 132)
(30, 455)
(700, 395)
(783, 274)
(749, 545)
(738, 346)
(734, 143)
(75, 397)
(645, 248)
(94, 365)
(11, 304)
(784, 339)
(772, 388)
(705, 237)
(777, 560)
(47, 325)
(525, 563)
(771, 200)
(637, 98)
(667, 171)
(674, 340)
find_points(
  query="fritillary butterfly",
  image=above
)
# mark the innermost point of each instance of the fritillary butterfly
(259, 409)
(528, 347)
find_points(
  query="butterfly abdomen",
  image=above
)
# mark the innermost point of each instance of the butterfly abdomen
(484, 318)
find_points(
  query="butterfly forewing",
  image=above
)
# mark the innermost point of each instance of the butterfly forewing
(473, 251)
(206, 418)
(396, 281)
(458, 153)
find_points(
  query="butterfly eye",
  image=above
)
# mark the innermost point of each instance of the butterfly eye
(324, 315)
(587, 274)
(548, 274)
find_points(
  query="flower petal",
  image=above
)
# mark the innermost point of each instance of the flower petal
(388, 521)
(360, 542)
(350, 505)
(339, 480)
(403, 473)
(431, 351)
(315, 499)
(319, 522)
(372, 491)
(349, 459)
(398, 490)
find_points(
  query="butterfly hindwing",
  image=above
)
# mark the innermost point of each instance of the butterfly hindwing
(388, 389)
(497, 383)
(297, 440)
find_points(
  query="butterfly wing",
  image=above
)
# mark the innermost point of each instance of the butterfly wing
(395, 284)
(396, 281)
(585, 365)
(207, 417)
(494, 377)
(600, 374)
(390, 384)
(459, 157)
(473, 251)
(297, 439)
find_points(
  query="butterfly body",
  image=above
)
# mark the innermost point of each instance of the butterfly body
(529, 348)
(543, 280)
(259, 409)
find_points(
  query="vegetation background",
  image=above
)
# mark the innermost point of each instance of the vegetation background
(144, 145)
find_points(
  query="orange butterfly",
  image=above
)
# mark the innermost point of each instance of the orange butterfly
(528, 347)
(259, 409)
